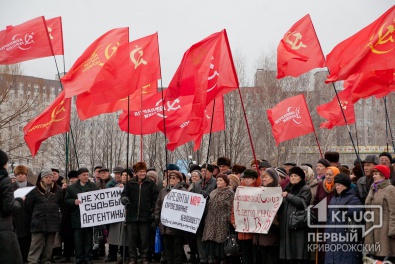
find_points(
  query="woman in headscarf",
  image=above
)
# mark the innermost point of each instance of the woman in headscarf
(293, 243)
(310, 179)
(381, 241)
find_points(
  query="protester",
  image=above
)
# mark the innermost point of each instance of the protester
(238, 170)
(105, 177)
(195, 177)
(267, 245)
(364, 183)
(333, 158)
(139, 196)
(83, 237)
(263, 166)
(356, 174)
(293, 243)
(250, 179)
(234, 182)
(255, 164)
(117, 171)
(97, 175)
(322, 164)
(216, 227)
(173, 239)
(310, 179)
(382, 194)
(289, 165)
(284, 178)
(8, 241)
(12, 177)
(344, 196)
(204, 187)
(386, 159)
(43, 204)
(224, 165)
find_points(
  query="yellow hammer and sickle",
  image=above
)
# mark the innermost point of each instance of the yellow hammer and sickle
(113, 48)
(382, 39)
(145, 89)
(57, 110)
(344, 104)
(137, 62)
(49, 32)
(297, 43)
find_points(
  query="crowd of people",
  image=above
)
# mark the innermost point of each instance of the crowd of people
(46, 222)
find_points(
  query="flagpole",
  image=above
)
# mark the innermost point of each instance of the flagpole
(340, 105)
(315, 134)
(248, 128)
(209, 137)
(141, 125)
(389, 126)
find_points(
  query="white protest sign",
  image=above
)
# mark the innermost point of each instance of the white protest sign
(255, 208)
(101, 207)
(21, 192)
(182, 210)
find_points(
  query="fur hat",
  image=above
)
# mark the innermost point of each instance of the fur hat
(234, 178)
(248, 173)
(194, 167)
(82, 170)
(224, 177)
(21, 169)
(176, 173)
(140, 166)
(208, 167)
(332, 156)
(72, 174)
(3, 158)
(273, 174)
(223, 161)
(238, 168)
(386, 154)
(343, 179)
(264, 164)
(298, 171)
(170, 167)
(385, 170)
(324, 162)
(153, 174)
(253, 162)
(46, 172)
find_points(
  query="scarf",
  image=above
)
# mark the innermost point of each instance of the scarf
(329, 186)
(21, 184)
(376, 185)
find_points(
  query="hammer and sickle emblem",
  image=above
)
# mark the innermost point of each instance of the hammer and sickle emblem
(29, 38)
(344, 104)
(297, 43)
(139, 59)
(113, 50)
(49, 32)
(57, 110)
(145, 89)
(170, 106)
(382, 39)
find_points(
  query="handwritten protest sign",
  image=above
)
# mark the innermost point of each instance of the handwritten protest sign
(101, 207)
(182, 210)
(255, 208)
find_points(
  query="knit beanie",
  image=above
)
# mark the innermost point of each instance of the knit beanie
(343, 179)
(273, 174)
(324, 162)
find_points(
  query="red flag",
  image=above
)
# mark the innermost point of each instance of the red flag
(368, 50)
(81, 76)
(332, 111)
(299, 50)
(24, 42)
(176, 127)
(290, 119)
(55, 119)
(206, 71)
(87, 107)
(54, 26)
(367, 84)
(135, 65)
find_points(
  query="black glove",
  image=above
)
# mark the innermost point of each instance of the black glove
(125, 201)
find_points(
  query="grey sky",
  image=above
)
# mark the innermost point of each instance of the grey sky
(253, 26)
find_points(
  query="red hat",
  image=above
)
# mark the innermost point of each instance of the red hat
(385, 170)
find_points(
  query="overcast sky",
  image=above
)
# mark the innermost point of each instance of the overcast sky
(253, 26)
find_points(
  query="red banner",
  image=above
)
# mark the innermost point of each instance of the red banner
(290, 119)
(299, 51)
(370, 49)
(54, 26)
(54, 120)
(81, 76)
(24, 42)
(133, 67)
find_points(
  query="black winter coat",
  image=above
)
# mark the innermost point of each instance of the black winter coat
(22, 217)
(142, 198)
(293, 243)
(348, 253)
(44, 208)
(72, 194)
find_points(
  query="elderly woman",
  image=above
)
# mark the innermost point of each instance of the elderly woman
(327, 187)
(266, 245)
(173, 239)
(195, 177)
(344, 196)
(43, 204)
(217, 221)
(381, 194)
(293, 243)
(310, 179)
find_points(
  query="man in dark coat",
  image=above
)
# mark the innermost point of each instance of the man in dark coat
(139, 195)
(8, 206)
(43, 204)
(83, 237)
(22, 218)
